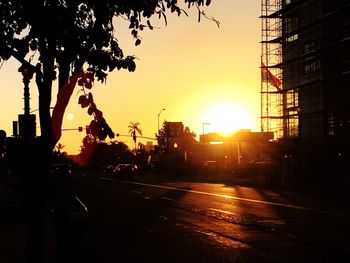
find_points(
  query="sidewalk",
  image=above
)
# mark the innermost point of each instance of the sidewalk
(13, 225)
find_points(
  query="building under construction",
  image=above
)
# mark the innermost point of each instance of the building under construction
(305, 84)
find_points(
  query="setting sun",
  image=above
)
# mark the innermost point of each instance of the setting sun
(226, 118)
(70, 116)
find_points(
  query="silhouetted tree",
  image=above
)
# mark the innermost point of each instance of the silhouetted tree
(75, 42)
(162, 138)
(59, 147)
(101, 154)
(134, 129)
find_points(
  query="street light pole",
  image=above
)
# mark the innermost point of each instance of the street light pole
(158, 118)
(205, 123)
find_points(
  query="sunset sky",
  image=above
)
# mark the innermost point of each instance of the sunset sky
(198, 72)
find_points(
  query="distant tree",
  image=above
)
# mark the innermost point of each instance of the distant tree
(58, 155)
(99, 154)
(134, 129)
(75, 43)
(188, 138)
(59, 147)
(162, 138)
(189, 133)
(120, 152)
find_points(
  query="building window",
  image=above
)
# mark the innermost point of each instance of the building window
(312, 99)
(293, 124)
(331, 123)
(291, 25)
(311, 64)
(292, 99)
(309, 47)
(292, 38)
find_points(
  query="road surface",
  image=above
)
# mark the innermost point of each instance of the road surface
(153, 219)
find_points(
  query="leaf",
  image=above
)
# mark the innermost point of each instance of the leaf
(33, 45)
(91, 98)
(111, 134)
(165, 19)
(112, 65)
(134, 33)
(89, 76)
(102, 135)
(101, 76)
(93, 106)
(80, 82)
(90, 110)
(108, 130)
(81, 99)
(131, 66)
(85, 104)
(119, 65)
(94, 128)
(114, 46)
(88, 85)
(178, 10)
(149, 25)
(137, 42)
(99, 114)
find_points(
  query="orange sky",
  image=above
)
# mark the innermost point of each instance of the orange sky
(196, 71)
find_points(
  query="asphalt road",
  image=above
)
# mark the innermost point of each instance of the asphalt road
(156, 219)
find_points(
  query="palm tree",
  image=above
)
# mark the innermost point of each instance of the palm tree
(59, 147)
(133, 130)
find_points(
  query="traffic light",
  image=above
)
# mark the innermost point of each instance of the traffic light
(80, 129)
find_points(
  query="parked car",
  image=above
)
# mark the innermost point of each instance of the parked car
(210, 167)
(109, 168)
(266, 165)
(126, 170)
(61, 172)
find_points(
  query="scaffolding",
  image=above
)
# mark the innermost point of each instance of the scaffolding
(271, 68)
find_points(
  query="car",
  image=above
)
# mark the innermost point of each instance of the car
(211, 165)
(126, 170)
(109, 168)
(61, 173)
(261, 165)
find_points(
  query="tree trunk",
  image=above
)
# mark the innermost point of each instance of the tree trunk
(66, 88)
(37, 181)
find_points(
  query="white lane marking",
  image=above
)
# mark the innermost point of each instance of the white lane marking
(105, 178)
(236, 198)
(222, 211)
(168, 199)
(137, 192)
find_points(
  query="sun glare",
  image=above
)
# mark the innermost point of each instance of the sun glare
(70, 116)
(226, 118)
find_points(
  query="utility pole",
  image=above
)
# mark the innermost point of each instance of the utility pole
(205, 123)
(158, 117)
(27, 123)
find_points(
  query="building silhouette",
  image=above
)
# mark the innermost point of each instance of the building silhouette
(305, 87)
